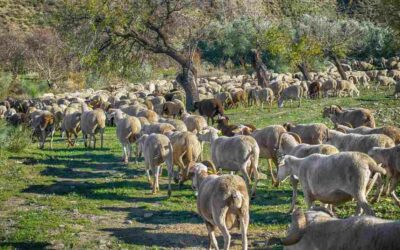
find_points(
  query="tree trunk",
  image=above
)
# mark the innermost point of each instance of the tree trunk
(261, 69)
(339, 67)
(304, 70)
(187, 79)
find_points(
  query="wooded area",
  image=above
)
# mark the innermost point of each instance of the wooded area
(95, 43)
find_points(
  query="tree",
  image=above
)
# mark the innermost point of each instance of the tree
(336, 37)
(297, 50)
(169, 27)
(45, 54)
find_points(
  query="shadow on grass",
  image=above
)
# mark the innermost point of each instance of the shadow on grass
(273, 197)
(148, 237)
(24, 245)
(268, 218)
(101, 191)
(158, 217)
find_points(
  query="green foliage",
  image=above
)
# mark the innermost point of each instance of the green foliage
(32, 85)
(5, 81)
(375, 42)
(13, 139)
(231, 41)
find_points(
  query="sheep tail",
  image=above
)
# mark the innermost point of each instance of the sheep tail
(237, 198)
(377, 168)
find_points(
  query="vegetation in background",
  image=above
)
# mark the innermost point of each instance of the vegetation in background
(13, 139)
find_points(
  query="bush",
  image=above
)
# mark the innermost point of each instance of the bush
(13, 139)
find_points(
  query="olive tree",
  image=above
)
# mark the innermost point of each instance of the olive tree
(168, 27)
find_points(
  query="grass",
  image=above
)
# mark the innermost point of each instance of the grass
(87, 199)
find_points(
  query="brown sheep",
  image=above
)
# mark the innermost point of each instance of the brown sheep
(231, 129)
(267, 139)
(314, 90)
(172, 109)
(239, 97)
(209, 108)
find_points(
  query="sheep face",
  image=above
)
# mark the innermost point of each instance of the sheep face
(284, 168)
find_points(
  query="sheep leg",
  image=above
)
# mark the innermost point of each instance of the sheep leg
(130, 151)
(69, 142)
(379, 189)
(201, 152)
(246, 177)
(148, 172)
(253, 192)
(94, 141)
(299, 103)
(101, 138)
(372, 183)
(52, 138)
(272, 172)
(294, 183)
(170, 173)
(155, 180)
(125, 153)
(307, 198)
(220, 221)
(42, 139)
(362, 205)
(392, 191)
(212, 241)
(244, 224)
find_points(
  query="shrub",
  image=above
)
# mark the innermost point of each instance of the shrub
(14, 139)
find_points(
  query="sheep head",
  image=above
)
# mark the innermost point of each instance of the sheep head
(297, 228)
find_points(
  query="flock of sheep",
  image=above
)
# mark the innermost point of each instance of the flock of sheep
(332, 165)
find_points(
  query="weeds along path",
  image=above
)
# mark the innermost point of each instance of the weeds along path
(87, 199)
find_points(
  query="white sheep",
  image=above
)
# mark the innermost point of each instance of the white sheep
(156, 149)
(222, 202)
(128, 130)
(233, 153)
(92, 122)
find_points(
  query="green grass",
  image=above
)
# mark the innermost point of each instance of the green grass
(87, 199)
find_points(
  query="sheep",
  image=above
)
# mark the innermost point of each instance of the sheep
(390, 158)
(314, 89)
(261, 95)
(209, 108)
(319, 229)
(128, 131)
(239, 96)
(194, 123)
(357, 142)
(156, 149)
(222, 202)
(233, 153)
(355, 117)
(3, 111)
(71, 125)
(313, 133)
(390, 131)
(225, 98)
(92, 122)
(385, 81)
(267, 139)
(397, 90)
(232, 130)
(178, 124)
(294, 92)
(150, 115)
(43, 125)
(172, 109)
(332, 179)
(348, 86)
(329, 85)
(158, 128)
(290, 144)
(187, 149)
